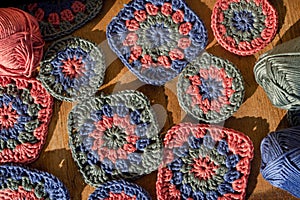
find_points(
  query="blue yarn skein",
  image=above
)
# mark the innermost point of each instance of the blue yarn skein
(280, 152)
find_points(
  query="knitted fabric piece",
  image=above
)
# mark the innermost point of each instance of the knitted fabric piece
(156, 39)
(210, 89)
(120, 189)
(113, 137)
(244, 27)
(59, 18)
(204, 162)
(25, 113)
(73, 68)
(23, 183)
(280, 165)
(277, 72)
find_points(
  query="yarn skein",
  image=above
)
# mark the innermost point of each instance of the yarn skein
(278, 72)
(280, 164)
(21, 43)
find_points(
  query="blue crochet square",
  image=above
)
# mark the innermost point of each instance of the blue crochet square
(156, 39)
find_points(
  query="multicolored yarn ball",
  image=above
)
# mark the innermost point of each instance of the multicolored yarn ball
(18, 182)
(277, 72)
(25, 114)
(244, 27)
(156, 39)
(59, 18)
(21, 43)
(119, 190)
(114, 137)
(72, 69)
(210, 89)
(280, 163)
(204, 162)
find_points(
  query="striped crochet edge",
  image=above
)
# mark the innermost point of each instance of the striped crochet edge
(120, 190)
(25, 183)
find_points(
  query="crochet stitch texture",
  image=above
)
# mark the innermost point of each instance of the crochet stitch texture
(156, 39)
(280, 161)
(204, 162)
(120, 189)
(61, 17)
(210, 89)
(72, 69)
(244, 27)
(25, 114)
(23, 183)
(114, 137)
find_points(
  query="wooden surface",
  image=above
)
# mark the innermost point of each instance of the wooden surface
(256, 117)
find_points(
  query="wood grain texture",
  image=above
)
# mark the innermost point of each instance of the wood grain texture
(256, 117)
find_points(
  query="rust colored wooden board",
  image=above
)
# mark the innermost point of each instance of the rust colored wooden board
(256, 117)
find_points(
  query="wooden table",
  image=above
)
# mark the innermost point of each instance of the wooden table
(256, 117)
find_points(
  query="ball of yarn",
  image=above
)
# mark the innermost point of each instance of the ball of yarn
(293, 117)
(21, 43)
(280, 152)
(278, 72)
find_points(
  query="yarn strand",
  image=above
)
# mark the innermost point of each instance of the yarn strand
(21, 43)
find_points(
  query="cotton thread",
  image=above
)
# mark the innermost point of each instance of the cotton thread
(280, 163)
(21, 43)
(277, 72)
(19, 182)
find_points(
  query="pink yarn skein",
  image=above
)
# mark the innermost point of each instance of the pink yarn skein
(21, 43)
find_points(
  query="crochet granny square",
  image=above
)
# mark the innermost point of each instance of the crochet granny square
(156, 39)
(25, 114)
(204, 162)
(72, 69)
(59, 18)
(120, 190)
(23, 183)
(210, 89)
(114, 137)
(244, 27)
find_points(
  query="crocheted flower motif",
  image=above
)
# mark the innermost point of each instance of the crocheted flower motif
(210, 89)
(156, 39)
(18, 182)
(113, 137)
(244, 27)
(60, 18)
(204, 162)
(72, 68)
(25, 113)
(120, 189)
